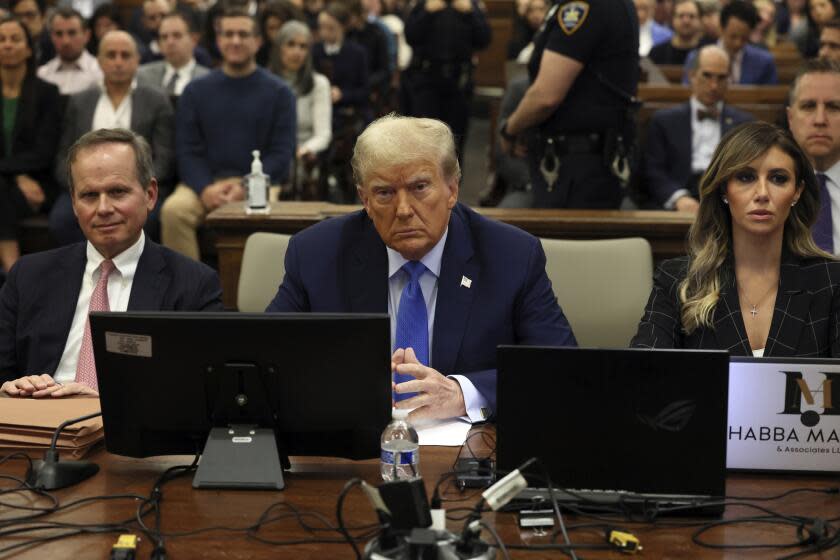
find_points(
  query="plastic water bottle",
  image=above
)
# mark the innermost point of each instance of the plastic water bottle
(257, 184)
(400, 456)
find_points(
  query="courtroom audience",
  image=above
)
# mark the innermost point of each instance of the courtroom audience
(830, 40)
(814, 120)
(345, 65)
(454, 283)
(749, 64)
(178, 40)
(292, 61)
(522, 32)
(73, 69)
(33, 15)
(273, 15)
(147, 33)
(754, 282)
(819, 12)
(373, 39)
(534, 16)
(104, 19)
(686, 37)
(764, 34)
(710, 20)
(793, 22)
(651, 33)
(680, 140)
(45, 339)
(117, 103)
(222, 117)
(28, 137)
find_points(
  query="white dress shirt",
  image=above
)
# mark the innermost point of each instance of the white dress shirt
(833, 184)
(119, 292)
(184, 75)
(397, 279)
(107, 116)
(705, 136)
(646, 37)
(72, 77)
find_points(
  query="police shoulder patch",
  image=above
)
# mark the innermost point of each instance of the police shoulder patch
(572, 15)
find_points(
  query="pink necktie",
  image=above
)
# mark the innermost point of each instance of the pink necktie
(86, 368)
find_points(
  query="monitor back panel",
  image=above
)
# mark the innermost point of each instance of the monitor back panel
(647, 421)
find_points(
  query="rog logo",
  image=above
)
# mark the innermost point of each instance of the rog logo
(673, 418)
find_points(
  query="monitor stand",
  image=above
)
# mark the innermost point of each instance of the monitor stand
(240, 456)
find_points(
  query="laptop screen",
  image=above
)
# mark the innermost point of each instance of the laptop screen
(635, 420)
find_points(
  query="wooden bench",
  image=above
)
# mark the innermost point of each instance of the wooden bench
(666, 231)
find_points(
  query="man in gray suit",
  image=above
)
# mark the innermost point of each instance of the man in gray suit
(177, 40)
(117, 103)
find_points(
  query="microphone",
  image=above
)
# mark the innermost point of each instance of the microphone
(50, 474)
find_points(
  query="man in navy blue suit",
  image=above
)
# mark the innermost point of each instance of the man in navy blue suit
(751, 65)
(44, 305)
(680, 140)
(483, 283)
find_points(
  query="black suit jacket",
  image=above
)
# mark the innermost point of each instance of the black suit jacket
(806, 316)
(668, 147)
(341, 266)
(35, 135)
(38, 301)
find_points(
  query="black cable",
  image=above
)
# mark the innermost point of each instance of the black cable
(339, 514)
(498, 539)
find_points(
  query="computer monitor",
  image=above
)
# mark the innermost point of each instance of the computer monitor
(243, 387)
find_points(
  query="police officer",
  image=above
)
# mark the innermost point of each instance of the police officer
(438, 84)
(584, 73)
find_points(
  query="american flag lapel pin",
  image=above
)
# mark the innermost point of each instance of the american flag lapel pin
(466, 282)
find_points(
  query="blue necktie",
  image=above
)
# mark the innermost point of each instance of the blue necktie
(412, 322)
(823, 229)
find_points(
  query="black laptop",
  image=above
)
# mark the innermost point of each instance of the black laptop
(628, 425)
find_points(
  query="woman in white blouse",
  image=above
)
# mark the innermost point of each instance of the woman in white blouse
(292, 60)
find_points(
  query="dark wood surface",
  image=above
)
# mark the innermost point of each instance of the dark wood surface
(314, 485)
(666, 231)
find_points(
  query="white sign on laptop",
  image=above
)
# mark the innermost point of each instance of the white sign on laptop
(784, 415)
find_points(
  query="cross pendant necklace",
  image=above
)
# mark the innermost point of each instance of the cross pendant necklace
(754, 306)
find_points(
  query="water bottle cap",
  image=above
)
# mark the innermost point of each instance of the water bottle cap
(399, 414)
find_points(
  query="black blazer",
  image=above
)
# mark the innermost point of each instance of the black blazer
(38, 300)
(35, 135)
(806, 316)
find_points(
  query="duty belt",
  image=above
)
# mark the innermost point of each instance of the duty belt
(581, 143)
(560, 145)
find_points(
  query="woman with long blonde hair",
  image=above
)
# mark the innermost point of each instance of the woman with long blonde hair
(754, 282)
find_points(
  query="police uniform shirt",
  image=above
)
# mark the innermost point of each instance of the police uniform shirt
(603, 35)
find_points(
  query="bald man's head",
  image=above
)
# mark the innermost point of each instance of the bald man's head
(118, 57)
(710, 75)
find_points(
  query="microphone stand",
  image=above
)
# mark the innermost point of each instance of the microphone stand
(50, 474)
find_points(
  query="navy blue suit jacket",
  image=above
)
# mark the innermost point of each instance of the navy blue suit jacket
(341, 265)
(668, 147)
(757, 67)
(38, 301)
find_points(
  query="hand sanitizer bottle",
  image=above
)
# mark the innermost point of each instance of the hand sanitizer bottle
(257, 182)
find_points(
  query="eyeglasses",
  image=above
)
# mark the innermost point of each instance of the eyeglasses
(230, 34)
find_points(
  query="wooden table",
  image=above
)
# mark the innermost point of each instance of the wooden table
(314, 486)
(666, 231)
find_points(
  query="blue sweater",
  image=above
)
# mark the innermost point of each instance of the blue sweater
(220, 120)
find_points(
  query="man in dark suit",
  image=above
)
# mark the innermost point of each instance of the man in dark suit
(117, 104)
(680, 140)
(455, 284)
(177, 41)
(44, 305)
(750, 65)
